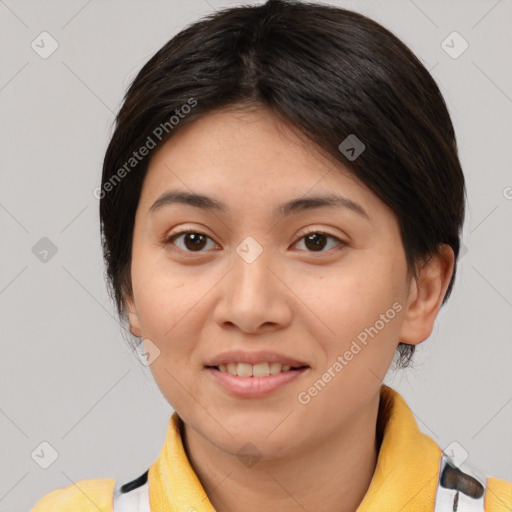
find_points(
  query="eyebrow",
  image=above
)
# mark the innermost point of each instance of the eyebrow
(290, 207)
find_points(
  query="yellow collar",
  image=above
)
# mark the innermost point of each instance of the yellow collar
(405, 477)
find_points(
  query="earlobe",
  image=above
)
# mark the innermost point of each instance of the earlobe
(133, 317)
(426, 296)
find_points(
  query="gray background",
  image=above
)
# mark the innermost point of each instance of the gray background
(67, 376)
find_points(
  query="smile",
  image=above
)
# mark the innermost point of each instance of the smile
(255, 370)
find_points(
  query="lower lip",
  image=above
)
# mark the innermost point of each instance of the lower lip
(254, 387)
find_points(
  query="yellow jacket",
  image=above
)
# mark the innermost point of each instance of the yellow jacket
(408, 476)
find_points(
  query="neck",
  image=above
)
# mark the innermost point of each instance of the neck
(332, 475)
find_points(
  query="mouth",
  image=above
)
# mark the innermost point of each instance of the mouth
(252, 386)
(255, 371)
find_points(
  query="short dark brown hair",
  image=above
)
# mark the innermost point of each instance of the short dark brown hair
(328, 71)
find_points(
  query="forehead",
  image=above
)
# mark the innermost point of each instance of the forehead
(250, 157)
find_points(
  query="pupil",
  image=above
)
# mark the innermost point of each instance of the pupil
(315, 245)
(197, 240)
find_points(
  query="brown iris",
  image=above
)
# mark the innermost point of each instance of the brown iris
(315, 241)
(197, 241)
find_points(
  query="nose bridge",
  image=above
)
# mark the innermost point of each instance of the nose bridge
(252, 279)
(252, 295)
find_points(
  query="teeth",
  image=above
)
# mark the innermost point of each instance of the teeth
(243, 370)
(256, 370)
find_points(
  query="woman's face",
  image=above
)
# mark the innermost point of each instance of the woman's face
(250, 280)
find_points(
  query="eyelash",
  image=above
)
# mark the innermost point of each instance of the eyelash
(171, 239)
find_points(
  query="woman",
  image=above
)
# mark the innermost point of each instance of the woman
(281, 208)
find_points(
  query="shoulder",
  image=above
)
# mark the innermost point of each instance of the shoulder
(498, 495)
(83, 496)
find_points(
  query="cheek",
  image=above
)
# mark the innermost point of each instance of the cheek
(171, 315)
(365, 294)
(168, 308)
(163, 292)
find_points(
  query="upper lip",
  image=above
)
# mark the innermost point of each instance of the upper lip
(238, 356)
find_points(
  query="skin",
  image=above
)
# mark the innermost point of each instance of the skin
(304, 303)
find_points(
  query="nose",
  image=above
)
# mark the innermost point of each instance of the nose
(253, 296)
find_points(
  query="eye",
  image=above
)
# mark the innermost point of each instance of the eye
(193, 240)
(316, 240)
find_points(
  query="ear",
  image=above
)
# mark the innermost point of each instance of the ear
(426, 295)
(133, 317)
